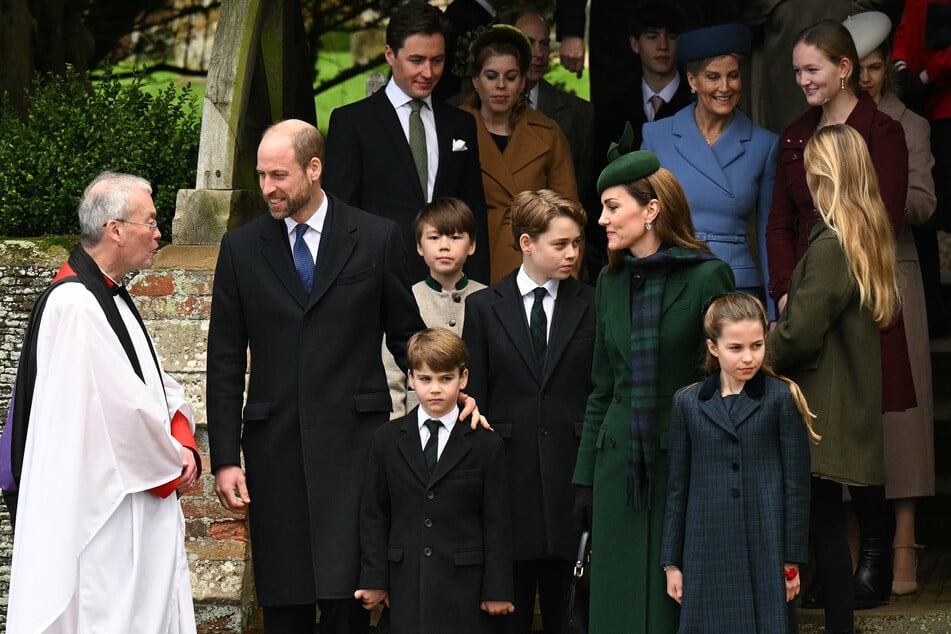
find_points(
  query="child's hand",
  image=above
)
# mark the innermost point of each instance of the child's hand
(792, 585)
(372, 598)
(496, 608)
(675, 584)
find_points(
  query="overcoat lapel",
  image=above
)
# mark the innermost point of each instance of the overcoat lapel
(567, 315)
(337, 242)
(457, 447)
(392, 134)
(276, 250)
(693, 148)
(411, 449)
(524, 147)
(511, 316)
(713, 407)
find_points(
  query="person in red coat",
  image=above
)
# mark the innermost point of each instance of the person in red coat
(922, 55)
(827, 69)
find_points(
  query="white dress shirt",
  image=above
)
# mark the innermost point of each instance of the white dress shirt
(666, 94)
(401, 103)
(526, 286)
(448, 422)
(315, 226)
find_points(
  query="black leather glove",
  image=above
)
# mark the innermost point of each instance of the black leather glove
(914, 94)
(584, 496)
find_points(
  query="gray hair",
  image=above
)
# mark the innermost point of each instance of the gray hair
(104, 199)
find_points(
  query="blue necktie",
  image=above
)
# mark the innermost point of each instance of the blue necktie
(303, 260)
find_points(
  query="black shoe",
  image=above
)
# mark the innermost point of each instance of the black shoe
(872, 581)
(812, 598)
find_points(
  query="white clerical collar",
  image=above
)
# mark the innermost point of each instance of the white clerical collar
(315, 222)
(399, 98)
(526, 285)
(448, 419)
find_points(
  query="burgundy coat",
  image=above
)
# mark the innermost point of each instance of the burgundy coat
(792, 216)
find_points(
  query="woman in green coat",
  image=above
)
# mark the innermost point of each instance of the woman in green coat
(843, 290)
(648, 344)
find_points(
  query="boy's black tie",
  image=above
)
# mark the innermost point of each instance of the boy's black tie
(539, 326)
(430, 450)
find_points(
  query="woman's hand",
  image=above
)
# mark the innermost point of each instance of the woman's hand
(791, 572)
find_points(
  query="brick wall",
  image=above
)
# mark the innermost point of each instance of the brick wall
(174, 299)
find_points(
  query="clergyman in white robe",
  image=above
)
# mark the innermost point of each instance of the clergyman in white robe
(95, 550)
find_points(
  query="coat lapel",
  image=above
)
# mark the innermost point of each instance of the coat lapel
(394, 136)
(337, 241)
(568, 313)
(457, 447)
(411, 448)
(525, 145)
(510, 311)
(276, 249)
(693, 148)
(713, 407)
(617, 288)
(749, 400)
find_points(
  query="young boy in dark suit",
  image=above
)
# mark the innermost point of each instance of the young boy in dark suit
(434, 519)
(531, 341)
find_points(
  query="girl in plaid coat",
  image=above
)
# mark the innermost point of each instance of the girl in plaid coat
(736, 525)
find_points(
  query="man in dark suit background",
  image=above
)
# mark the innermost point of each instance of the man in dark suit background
(463, 16)
(370, 147)
(317, 388)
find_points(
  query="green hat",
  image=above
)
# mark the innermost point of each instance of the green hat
(502, 33)
(627, 166)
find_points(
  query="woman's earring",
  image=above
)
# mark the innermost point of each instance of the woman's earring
(842, 83)
(693, 91)
(648, 225)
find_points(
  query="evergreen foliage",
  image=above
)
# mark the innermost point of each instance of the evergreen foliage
(76, 128)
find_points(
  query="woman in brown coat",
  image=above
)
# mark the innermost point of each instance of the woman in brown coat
(909, 435)
(519, 149)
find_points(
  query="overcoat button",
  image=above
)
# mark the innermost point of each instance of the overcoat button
(428, 552)
(430, 495)
(428, 523)
(617, 398)
(612, 443)
(452, 322)
(734, 493)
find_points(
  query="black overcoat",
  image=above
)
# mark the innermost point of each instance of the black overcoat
(316, 393)
(539, 413)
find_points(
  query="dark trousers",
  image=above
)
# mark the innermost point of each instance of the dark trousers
(831, 545)
(343, 616)
(550, 578)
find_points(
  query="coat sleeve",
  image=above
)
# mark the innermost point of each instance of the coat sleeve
(890, 158)
(602, 381)
(343, 167)
(474, 336)
(780, 235)
(472, 193)
(678, 482)
(227, 362)
(823, 293)
(401, 319)
(496, 527)
(794, 453)
(375, 517)
(764, 198)
(570, 18)
(561, 175)
(921, 200)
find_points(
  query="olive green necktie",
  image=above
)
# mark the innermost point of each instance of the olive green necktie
(417, 145)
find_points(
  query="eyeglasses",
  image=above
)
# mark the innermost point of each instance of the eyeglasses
(151, 224)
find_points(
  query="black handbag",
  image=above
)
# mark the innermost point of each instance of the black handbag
(579, 591)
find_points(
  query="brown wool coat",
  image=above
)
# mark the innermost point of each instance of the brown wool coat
(537, 157)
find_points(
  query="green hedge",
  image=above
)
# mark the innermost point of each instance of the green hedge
(76, 128)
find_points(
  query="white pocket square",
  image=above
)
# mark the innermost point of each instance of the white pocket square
(458, 145)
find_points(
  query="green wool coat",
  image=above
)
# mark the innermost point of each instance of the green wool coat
(628, 586)
(829, 345)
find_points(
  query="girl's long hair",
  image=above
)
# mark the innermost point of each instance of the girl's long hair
(736, 307)
(845, 191)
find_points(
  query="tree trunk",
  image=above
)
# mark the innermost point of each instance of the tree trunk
(16, 51)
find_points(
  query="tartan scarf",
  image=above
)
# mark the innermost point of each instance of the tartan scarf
(648, 280)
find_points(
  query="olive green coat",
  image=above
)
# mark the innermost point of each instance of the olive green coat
(628, 586)
(829, 345)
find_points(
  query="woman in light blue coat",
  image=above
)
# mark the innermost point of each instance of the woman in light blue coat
(725, 164)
